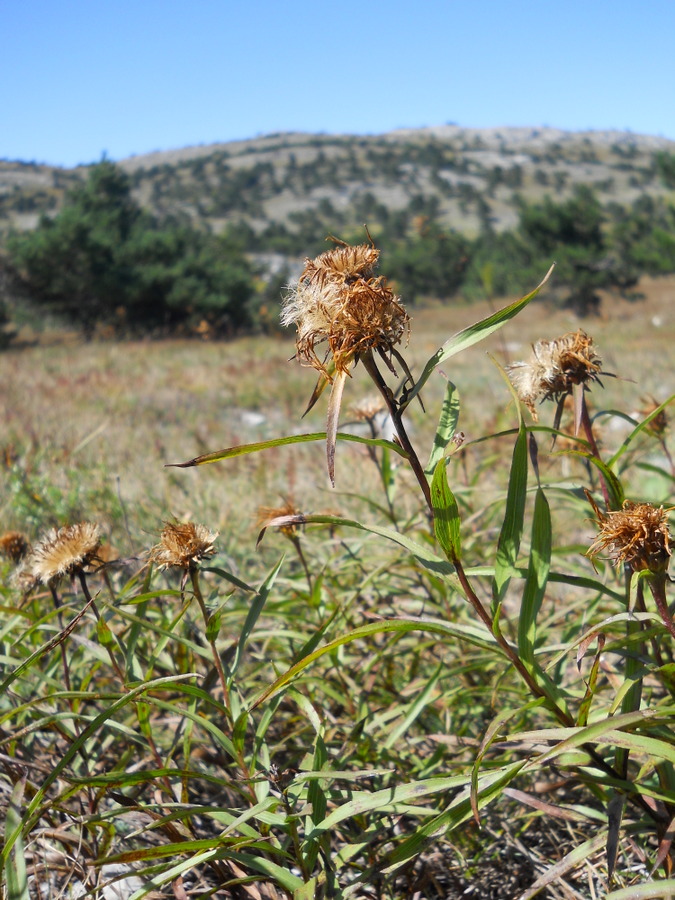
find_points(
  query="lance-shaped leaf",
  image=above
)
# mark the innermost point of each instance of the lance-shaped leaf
(470, 336)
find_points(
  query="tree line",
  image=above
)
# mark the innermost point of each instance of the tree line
(104, 261)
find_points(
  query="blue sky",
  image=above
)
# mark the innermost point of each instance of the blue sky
(84, 77)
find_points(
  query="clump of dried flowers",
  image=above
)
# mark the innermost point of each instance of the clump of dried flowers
(555, 368)
(183, 545)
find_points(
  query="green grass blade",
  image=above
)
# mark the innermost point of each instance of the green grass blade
(650, 890)
(242, 449)
(400, 625)
(470, 336)
(459, 810)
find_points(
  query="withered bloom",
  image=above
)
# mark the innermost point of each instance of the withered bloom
(14, 545)
(183, 545)
(64, 551)
(554, 368)
(659, 424)
(267, 516)
(368, 409)
(338, 300)
(636, 535)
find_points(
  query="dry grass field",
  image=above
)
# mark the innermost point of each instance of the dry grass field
(107, 417)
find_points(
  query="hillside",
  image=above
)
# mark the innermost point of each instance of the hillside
(464, 178)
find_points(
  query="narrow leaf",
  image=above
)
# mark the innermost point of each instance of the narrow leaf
(537, 578)
(447, 425)
(242, 449)
(255, 609)
(446, 514)
(511, 532)
(470, 336)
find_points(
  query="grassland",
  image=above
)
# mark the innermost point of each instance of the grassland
(112, 751)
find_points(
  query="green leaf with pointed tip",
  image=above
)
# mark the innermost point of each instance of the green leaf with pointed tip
(446, 514)
(614, 486)
(650, 890)
(470, 336)
(255, 609)
(537, 579)
(459, 810)
(636, 431)
(511, 532)
(447, 425)
(16, 876)
(242, 449)
(473, 634)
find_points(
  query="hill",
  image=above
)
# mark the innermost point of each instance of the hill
(464, 178)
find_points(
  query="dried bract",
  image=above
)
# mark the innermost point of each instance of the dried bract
(658, 426)
(368, 409)
(338, 301)
(64, 551)
(268, 514)
(554, 368)
(636, 535)
(14, 545)
(183, 545)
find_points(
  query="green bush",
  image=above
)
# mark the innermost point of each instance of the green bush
(103, 261)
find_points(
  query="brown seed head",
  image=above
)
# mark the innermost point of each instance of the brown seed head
(368, 408)
(636, 535)
(267, 515)
(554, 368)
(14, 545)
(336, 300)
(64, 551)
(659, 424)
(183, 545)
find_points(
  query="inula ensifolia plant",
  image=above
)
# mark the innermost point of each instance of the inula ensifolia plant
(344, 315)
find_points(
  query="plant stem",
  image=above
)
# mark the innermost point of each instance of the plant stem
(394, 411)
(85, 590)
(590, 437)
(194, 577)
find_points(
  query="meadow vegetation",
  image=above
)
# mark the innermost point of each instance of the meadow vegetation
(239, 681)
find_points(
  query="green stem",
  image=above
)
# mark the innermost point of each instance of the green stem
(394, 411)
(194, 577)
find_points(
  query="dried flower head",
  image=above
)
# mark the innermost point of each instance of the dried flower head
(14, 545)
(268, 514)
(659, 424)
(338, 300)
(368, 409)
(554, 368)
(183, 545)
(64, 551)
(636, 535)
